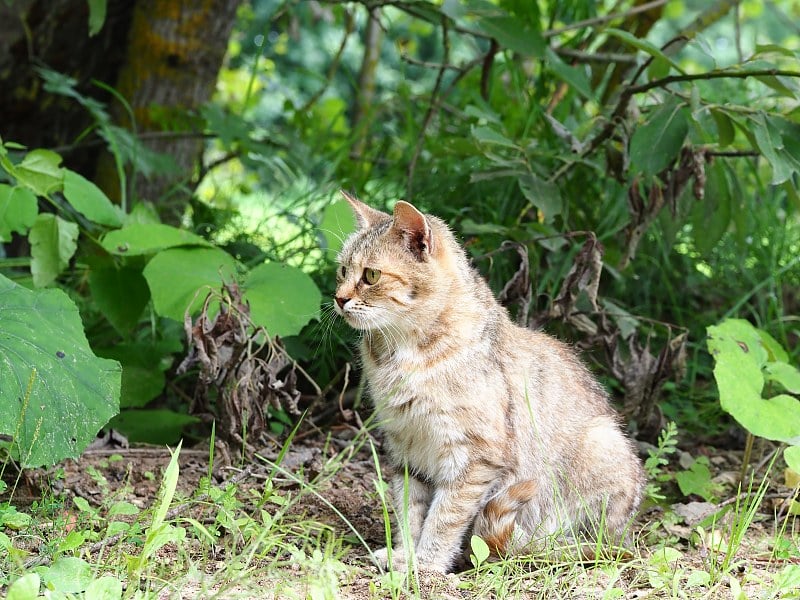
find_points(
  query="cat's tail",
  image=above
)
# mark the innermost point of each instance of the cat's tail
(496, 522)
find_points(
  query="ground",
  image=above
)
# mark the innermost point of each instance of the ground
(296, 521)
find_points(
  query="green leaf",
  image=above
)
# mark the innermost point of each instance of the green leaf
(792, 457)
(785, 374)
(18, 210)
(574, 76)
(740, 357)
(543, 195)
(152, 426)
(104, 588)
(480, 550)
(514, 34)
(97, 16)
(769, 140)
(283, 299)
(775, 351)
(121, 294)
(24, 588)
(337, 223)
(656, 144)
(72, 394)
(143, 366)
(644, 46)
(697, 480)
(488, 135)
(180, 278)
(149, 238)
(53, 242)
(39, 172)
(725, 127)
(68, 574)
(519, 32)
(89, 200)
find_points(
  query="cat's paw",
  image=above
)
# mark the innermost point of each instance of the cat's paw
(398, 559)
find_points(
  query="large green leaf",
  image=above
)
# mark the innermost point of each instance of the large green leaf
(90, 201)
(740, 358)
(73, 393)
(39, 172)
(282, 298)
(18, 210)
(53, 242)
(120, 292)
(656, 143)
(149, 238)
(180, 278)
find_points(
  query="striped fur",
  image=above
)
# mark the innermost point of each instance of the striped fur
(503, 430)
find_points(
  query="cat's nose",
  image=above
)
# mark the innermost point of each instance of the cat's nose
(341, 301)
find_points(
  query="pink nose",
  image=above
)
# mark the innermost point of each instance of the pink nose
(341, 301)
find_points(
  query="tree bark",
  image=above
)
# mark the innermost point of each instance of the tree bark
(55, 34)
(174, 53)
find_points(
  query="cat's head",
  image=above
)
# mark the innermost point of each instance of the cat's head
(393, 270)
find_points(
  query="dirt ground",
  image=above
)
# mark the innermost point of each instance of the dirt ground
(349, 485)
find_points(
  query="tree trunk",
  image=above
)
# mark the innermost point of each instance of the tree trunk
(175, 50)
(55, 34)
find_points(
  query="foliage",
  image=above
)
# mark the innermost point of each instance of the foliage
(130, 259)
(746, 359)
(657, 459)
(57, 394)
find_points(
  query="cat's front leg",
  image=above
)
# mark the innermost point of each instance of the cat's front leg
(410, 504)
(453, 508)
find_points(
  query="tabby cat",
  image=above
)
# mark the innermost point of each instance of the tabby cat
(502, 430)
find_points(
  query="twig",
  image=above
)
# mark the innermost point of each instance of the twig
(587, 57)
(430, 112)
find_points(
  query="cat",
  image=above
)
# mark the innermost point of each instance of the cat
(493, 428)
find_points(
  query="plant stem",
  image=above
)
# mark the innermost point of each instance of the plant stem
(748, 450)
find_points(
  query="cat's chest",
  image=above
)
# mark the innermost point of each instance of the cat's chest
(433, 442)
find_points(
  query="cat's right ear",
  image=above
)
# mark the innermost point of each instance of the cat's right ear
(366, 216)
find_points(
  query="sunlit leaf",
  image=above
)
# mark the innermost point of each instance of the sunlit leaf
(18, 210)
(53, 242)
(181, 278)
(283, 299)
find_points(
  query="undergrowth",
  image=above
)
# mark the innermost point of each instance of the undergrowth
(251, 535)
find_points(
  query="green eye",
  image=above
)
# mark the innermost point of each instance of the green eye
(371, 276)
(342, 272)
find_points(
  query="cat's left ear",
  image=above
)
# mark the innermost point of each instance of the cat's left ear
(366, 216)
(415, 229)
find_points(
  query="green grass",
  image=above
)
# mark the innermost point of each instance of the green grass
(254, 535)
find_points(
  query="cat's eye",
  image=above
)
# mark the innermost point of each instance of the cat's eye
(371, 276)
(342, 272)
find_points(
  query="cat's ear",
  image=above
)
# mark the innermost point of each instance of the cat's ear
(415, 229)
(366, 216)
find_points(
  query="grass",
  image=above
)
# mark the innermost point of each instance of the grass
(256, 535)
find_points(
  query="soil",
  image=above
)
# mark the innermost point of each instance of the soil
(349, 487)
